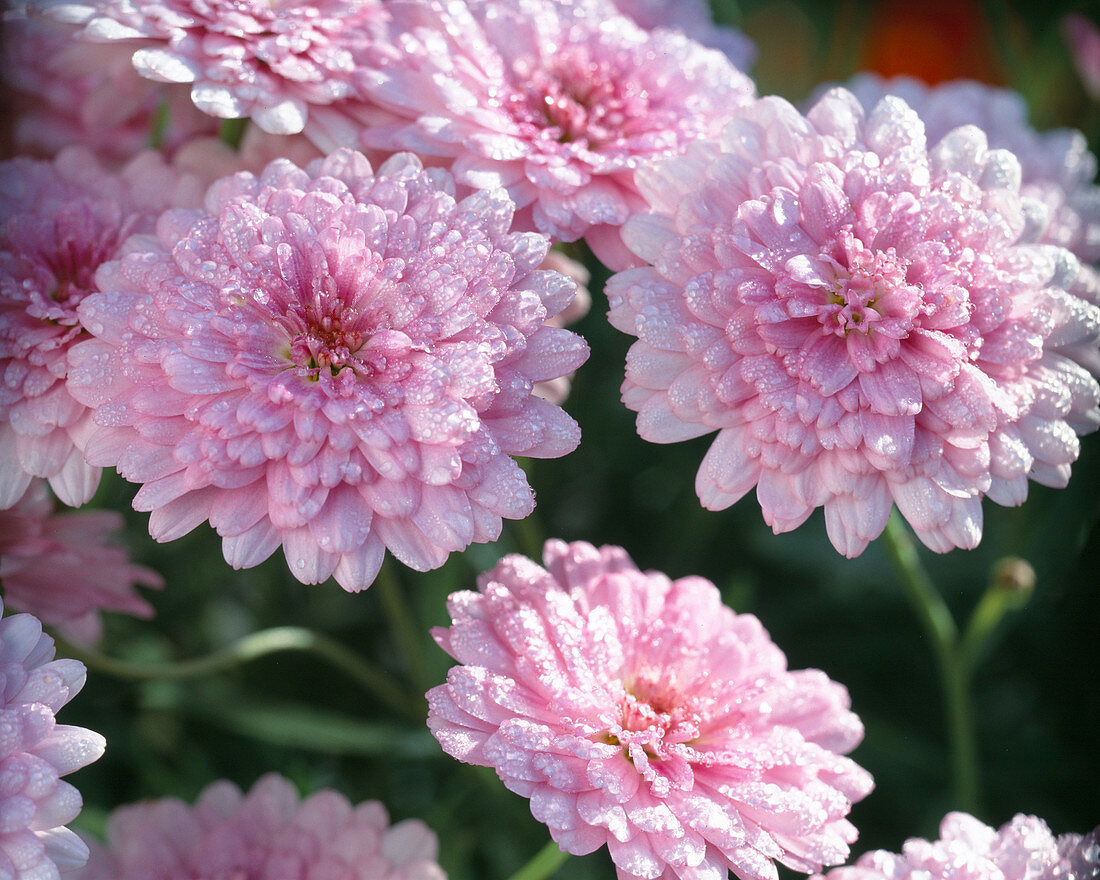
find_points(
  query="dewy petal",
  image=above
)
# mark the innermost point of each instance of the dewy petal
(597, 706)
(361, 387)
(566, 105)
(35, 803)
(869, 295)
(63, 222)
(1022, 848)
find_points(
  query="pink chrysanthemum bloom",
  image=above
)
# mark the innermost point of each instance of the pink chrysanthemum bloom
(694, 19)
(861, 316)
(333, 360)
(1022, 849)
(643, 713)
(1056, 166)
(61, 568)
(266, 833)
(58, 222)
(556, 103)
(269, 61)
(64, 92)
(35, 752)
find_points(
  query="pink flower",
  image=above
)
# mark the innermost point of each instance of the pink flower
(35, 752)
(58, 222)
(557, 390)
(642, 713)
(1022, 849)
(65, 92)
(267, 833)
(270, 61)
(332, 360)
(556, 103)
(1084, 41)
(864, 319)
(1056, 166)
(693, 18)
(61, 568)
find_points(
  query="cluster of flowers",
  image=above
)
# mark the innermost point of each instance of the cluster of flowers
(334, 337)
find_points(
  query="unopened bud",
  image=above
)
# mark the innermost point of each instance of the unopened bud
(1014, 576)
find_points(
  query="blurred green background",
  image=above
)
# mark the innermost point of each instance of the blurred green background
(1037, 707)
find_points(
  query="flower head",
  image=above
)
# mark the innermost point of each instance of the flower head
(58, 222)
(556, 103)
(331, 359)
(642, 713)
(865, 319)
(35, 752)
(269, 61)
(1021, 849)
(268, 832)
(65, 92)
(61, 568)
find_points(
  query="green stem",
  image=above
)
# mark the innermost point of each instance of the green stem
(251, 647)
(406, 629)
(231, 131)
(545, 862)
(953, 663)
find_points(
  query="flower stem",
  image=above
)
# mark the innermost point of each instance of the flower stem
(954, 668)
(544, 863)
(231, 131)
(251, 647)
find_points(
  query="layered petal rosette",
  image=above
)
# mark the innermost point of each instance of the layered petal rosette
(866, 320)
(331, 359)
(640, 712)
(35, 752)
(1056, 166)
(267, 833)
(58, 222)
(556, 102)
(1021, 849)
(268, 61)
(62, 568)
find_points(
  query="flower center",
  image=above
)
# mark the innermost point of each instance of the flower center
(859, 296)
(330, 340)
(576, 98)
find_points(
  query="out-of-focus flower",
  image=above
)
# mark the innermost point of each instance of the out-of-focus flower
(557, 390)
(65, 92)
(61, 568)
(334, 360)
(1084, 41)
(35, 752)
(555, 102)
(863, 318)
(267, 832)
(693, 18)
(1022, 849)
(269, 61)
(58, 222)
(642, 713)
